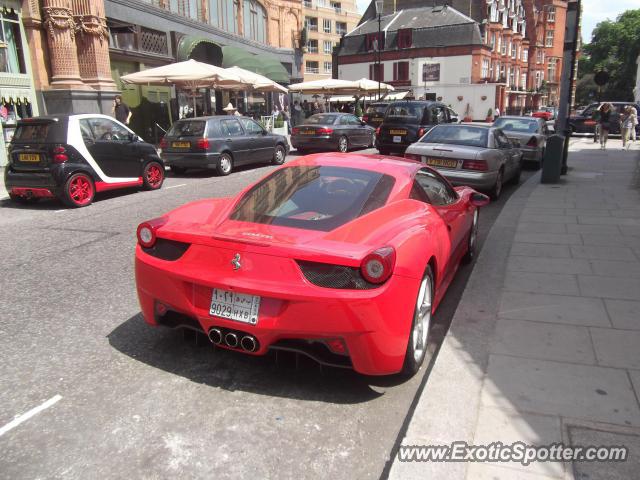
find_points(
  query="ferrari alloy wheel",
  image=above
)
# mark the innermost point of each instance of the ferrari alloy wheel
(497, 187)
(343, 144)
(225, 164)
(420, 327)
(153, 176)
(473, 239)
(279, 155)
(78, 191)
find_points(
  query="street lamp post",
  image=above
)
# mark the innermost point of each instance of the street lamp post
(379, 6)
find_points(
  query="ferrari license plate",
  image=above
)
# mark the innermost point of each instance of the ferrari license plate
(309, 132)
(441, 162)
(235, 306)
(180, 144)
(398, 132)
(29, 157)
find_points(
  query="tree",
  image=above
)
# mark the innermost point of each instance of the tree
(614, 47)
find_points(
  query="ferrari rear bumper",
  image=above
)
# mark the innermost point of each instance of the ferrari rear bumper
(372, 324)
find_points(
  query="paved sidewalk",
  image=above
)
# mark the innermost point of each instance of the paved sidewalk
(545, 344)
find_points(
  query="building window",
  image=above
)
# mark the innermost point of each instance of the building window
(504, 46)
(307, 4)
(525, 55)
(514, 51)
(485, 68)
(327, 67)
(327, 47)
(492, 41)
(551, 69)
(337, 6)
(376, 72)
(326, 25)
(549, 38)
(405, 39)
(312, 67)
(372, 41)
(341, 28)
(186, 8)
(11, 53)
(310, 23)
(551, 14)
(312, 46)
(224, 14)
(401, 71)
(255, 21)
(539, 56)
(523, 81)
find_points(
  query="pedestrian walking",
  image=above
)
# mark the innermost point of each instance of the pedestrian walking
(121, 111)
(287, 118)
(634, 121)
(604, 124)
(496, 113)
(626, 126)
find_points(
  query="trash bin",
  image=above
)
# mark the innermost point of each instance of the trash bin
(552, 161)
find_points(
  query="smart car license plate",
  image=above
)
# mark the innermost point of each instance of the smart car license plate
(397, 139)
(235, 306)
(180, 144)
(441, 162)
(29, 157)
(398, 132)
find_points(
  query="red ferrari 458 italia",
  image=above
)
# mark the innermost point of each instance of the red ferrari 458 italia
(341, 257)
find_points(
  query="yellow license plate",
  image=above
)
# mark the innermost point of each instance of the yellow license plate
(180, 144)
(309, 132)
(29, 157)
(398, 132)
(442, 162)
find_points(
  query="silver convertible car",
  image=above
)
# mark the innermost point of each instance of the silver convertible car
(479, 156)
(530, 132)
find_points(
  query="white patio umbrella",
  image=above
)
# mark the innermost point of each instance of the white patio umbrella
(330, 86)
(368, 86)
(189, 74)
(254, 81)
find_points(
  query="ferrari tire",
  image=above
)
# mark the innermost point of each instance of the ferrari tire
(473, 239)
(343, 144)
(279, 155)
(153, 176)
(79, 191)
(225, 164)
(418, 340)
(178, 170)
(496, 190)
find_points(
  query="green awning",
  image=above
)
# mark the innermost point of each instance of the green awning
(264, 65)
(187, 44)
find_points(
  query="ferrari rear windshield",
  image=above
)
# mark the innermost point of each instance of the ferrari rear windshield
(314, 197)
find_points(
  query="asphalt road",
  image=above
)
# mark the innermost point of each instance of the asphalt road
(130, 401)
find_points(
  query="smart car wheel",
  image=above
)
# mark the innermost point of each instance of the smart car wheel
(153, 176)
(473, 239)
(279, 155)
(78, 191)
(225, 164)
(420, 327)
(343, 144)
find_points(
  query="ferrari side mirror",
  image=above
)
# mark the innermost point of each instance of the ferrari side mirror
(479, 199)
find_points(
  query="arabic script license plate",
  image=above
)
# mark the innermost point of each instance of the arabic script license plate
(397, 139)
(235, 306)
(180, 144)
(398, 132)
(29, 157)
(442, 162)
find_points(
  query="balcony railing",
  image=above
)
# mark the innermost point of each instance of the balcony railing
(312, 70)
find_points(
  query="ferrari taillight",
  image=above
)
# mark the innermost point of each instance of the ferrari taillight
(478, 165)
(533, 142)
(147, 231)
(378, 265)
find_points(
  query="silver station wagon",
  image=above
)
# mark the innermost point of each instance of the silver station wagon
(475, 155)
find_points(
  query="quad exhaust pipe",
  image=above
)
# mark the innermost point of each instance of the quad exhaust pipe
(248, 343)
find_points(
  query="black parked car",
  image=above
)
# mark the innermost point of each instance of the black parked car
(406, 121)
(375, 113)
(332, 131)
(586, 123)
(72, 157)
(220, 142)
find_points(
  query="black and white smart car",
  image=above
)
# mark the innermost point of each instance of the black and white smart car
(73, 157)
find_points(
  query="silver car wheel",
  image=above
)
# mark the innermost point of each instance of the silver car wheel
(225, 163)
(279, 156)
(343, 144)
(474, 231)
(423, 322)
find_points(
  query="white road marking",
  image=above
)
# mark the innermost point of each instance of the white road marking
(175, 186)
(34, 411)
(61, 210)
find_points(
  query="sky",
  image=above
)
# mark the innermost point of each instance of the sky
(593, 11)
